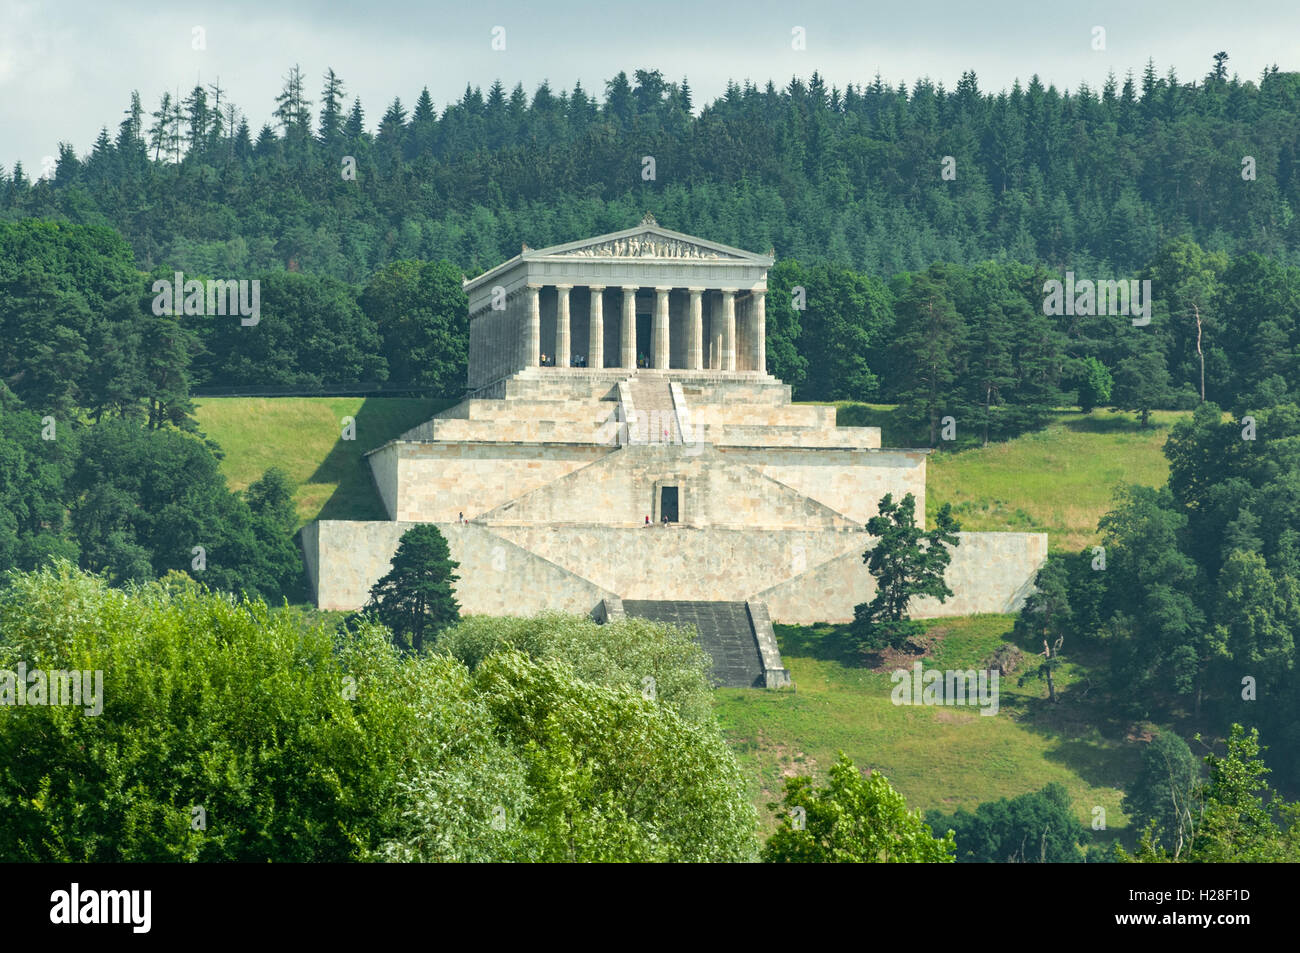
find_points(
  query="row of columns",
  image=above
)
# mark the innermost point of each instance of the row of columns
(724, 333)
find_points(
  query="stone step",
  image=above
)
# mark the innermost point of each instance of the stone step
(724, 632)
(656, 416)
(848, 438)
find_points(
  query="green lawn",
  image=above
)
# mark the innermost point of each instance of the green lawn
(938, 757)
(1059, 480)
(303, 436)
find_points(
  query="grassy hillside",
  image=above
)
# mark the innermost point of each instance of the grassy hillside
(303, 436)
(938, 757)
(1059, 480)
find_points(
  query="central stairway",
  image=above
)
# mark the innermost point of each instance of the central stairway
(652, 400)
(725, 630)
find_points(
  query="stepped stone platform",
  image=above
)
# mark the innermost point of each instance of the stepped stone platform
(693, 488)
(740, 642)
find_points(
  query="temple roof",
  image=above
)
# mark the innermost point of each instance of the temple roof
(646, 241)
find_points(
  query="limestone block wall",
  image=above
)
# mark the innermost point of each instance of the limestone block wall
(542, 383)
(683, 562)
(802, 576)
(757, 415)
(496, 421)
(712, 490)
(744, 435)
(384, 469)
(712, 388)
(778, 424)
(345, 558)
(760, 488)
(850, 482)
(775, 674)
(560, 407)
(594, 426)
(989, 572)
(437, 481)
(994, 574)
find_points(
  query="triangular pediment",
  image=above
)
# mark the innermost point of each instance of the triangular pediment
(645, 243)
(648, 241)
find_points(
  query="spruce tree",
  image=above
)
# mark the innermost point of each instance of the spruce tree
(416, 599)
(331, 112)
(928, 342)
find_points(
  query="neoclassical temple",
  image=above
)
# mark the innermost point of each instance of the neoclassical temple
(622, 449)
(645, 297)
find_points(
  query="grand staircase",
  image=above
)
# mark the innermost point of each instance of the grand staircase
(656, 420)
(725, 632)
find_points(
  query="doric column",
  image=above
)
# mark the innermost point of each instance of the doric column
(628, 328)
(519, 329)
(760, 331)
(475, 351)
(660, 343)
(500, 342)
(500, 321)
(562, 349)
(728, 329)
(695, 342)
(596, 328)
(533, 340)
(715, 333)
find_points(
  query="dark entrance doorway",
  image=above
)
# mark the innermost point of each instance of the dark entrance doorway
(668, 504)
(643, 346)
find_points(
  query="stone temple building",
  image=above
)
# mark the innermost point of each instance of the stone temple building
(621, 448)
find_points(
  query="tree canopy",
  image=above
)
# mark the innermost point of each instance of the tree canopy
(852, 818)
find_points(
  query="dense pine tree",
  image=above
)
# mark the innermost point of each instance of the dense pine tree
(416, 598)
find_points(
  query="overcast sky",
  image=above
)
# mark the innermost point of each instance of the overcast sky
(66, 69)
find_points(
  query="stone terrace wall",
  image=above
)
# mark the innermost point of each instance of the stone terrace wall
(435, 482)
(346, 557)
(850, 482)
(714, 491)
(803, 576)
(989, 572)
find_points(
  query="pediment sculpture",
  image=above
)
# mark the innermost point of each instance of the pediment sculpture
(647, 245)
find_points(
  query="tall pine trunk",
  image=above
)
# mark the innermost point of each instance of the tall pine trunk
(1047, 667)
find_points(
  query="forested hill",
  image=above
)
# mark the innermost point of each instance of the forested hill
(1086, 179)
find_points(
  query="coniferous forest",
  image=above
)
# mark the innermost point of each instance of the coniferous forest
(876, 199)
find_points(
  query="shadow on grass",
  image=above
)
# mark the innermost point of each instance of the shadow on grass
(378, 420)
(1006, 425)
(1088, 727)
(823, 641)
(895, 429)
(1112, 425)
